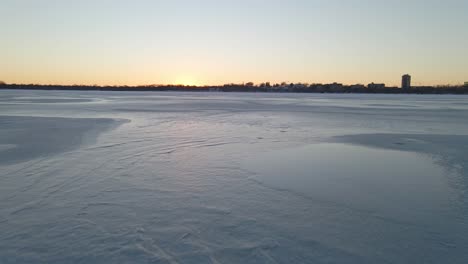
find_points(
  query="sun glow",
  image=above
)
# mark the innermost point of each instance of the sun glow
(186, 82)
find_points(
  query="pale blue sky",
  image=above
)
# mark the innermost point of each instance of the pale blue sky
(213, 42)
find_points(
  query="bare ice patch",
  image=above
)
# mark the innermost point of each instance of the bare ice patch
(402, 185)
(4, 147)
(23, 138)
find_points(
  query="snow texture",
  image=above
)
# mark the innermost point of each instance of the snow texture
(122, 177)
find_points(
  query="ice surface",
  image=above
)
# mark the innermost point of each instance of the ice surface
(25, 138)
(6, 147)
(388, 184)
(232, 178)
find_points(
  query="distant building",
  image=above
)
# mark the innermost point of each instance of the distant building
(406, 82)
(376, 86)
(317, 87)
(358, 87)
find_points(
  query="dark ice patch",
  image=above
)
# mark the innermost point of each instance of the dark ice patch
(35, 137)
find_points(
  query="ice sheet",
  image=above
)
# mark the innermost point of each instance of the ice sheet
(232, 178)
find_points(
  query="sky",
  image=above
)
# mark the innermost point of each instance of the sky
(209, 42)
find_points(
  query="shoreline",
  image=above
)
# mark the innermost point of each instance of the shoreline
(319, 89)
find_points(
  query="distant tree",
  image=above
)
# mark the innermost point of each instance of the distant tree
(249, 84)
(2, 83)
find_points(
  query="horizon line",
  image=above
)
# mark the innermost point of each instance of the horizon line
(248, 84)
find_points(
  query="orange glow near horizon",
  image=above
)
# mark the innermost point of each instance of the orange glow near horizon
(187, 82)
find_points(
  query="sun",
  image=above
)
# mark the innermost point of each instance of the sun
(186, 82)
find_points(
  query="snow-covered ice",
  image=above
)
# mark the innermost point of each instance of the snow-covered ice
(122, 177)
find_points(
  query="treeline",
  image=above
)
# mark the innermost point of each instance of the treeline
(250, 87)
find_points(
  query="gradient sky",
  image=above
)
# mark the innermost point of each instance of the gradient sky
(214, 41)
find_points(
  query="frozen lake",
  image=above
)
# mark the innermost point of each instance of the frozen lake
(122, 177)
